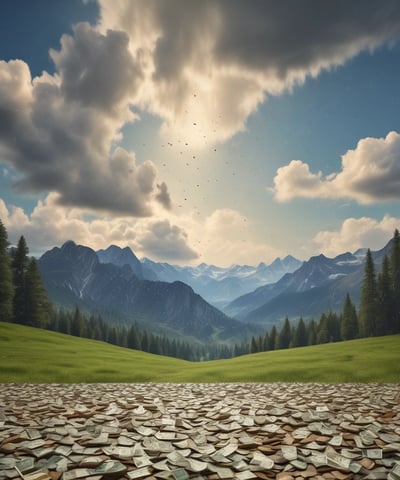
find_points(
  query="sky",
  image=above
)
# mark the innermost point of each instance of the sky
(221, 131)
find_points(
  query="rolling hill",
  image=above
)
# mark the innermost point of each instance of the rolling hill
(35, 355)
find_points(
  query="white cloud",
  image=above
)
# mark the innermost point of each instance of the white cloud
(223, 238)
(296, 180)
(370, 173)
(226, 237)
(166, 242)
(356, 233)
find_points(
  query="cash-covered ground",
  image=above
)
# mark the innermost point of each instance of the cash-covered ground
(280, 431)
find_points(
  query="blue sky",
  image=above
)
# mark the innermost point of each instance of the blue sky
(223, 132)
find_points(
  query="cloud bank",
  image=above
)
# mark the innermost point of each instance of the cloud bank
(370, 173)
(220, 237)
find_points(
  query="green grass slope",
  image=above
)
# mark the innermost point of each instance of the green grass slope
(34, 355)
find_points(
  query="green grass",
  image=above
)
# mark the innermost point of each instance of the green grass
(34, 355)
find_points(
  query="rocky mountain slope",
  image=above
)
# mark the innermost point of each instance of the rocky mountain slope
(319, 285)
(73, 275)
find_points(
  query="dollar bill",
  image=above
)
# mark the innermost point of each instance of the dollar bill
(139, 473)
(338, 461)
(289, 452)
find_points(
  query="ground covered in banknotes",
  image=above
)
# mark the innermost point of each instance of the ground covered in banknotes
(280, 431)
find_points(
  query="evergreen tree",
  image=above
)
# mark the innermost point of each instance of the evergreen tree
(6, 278)
(260, 344)
(272, 338)
(349, 322)
(145, 343)
(368, 304)
(384, 319)
(395, 276)
(300, 336)
(20, 262)
(311, 333)
(154, 344)
(38, 306)
(333, 324)
(284, 336)
(323, 331)
(77, 323)
(112, 335)
(63, 322)
(253, 345)
(133, 338)
(266, 342)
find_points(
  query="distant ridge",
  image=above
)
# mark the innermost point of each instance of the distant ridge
(219, 285)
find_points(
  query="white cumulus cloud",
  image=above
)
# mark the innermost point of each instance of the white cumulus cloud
(355, 233)
(60, 131)
(370, 173)
(222, 238)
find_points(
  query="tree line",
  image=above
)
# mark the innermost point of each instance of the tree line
(95, 327)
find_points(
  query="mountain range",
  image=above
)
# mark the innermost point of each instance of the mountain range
(74, 276)
(318, 286)
(168, 298)
(218, 285)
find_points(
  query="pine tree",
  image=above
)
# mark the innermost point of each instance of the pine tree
(253, 345)
(300, 336)
(311, 333)
(112, 335)
(145, 343)
(77, 324)
(38, 306)
(20, 262)
(133, 338)
(384, 319)
(266, 342)
(323, 331)
(333, 327)
(6, 280)
(349, 322)
(63, 322)
(284, 336)
(272, 338)
(368, 304)
(395, 276)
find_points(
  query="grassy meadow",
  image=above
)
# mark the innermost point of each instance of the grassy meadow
(39, 356)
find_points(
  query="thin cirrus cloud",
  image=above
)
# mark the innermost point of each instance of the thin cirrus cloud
(370, 173)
